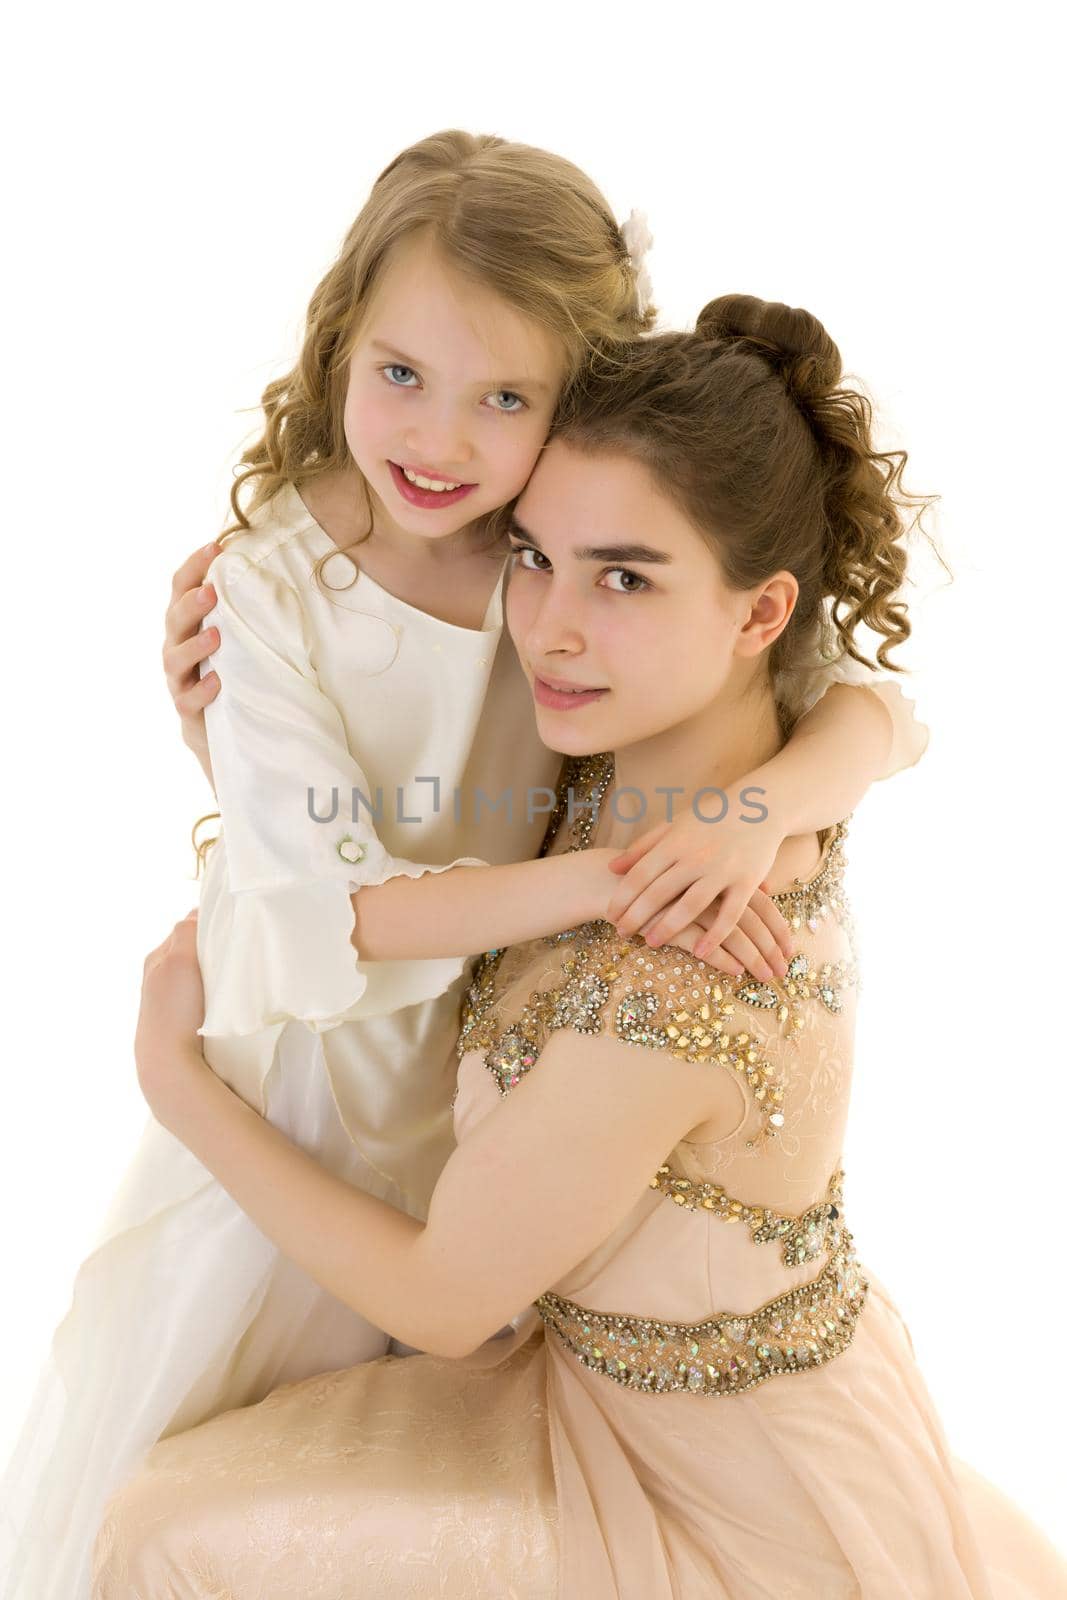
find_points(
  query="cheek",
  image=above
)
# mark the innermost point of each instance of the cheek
(512, 446)
(518, 608)
(628, 637)
(361, 423)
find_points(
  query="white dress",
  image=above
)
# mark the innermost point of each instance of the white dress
(184, 1309)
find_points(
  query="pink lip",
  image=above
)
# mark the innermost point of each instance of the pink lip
(562, 683)
(546, 694)
(428, 499)
(432, 472)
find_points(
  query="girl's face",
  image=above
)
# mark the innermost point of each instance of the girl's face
(449, 381)
(612, 590)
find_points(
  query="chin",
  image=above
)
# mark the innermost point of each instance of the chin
(568, 741)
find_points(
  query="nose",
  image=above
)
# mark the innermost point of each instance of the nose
(439, 440)
(554, 625)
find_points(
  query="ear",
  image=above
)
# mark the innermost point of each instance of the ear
(770, 608)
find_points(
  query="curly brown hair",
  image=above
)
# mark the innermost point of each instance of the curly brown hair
(745, 425)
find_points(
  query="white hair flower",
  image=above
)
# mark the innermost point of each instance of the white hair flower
(637, 239)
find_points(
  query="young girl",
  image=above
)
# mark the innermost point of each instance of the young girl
(710, 1397)
(365, 739)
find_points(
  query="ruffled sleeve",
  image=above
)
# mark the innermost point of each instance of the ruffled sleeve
(802, 688)
(276, 919)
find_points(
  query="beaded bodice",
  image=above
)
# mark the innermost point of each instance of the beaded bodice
(786, 1046)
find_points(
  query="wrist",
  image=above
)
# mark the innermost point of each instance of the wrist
(762, 797)
(173, 1077)
(598, 883)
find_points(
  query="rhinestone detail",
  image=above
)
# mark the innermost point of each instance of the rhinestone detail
(727, 1354)
(817, 1231)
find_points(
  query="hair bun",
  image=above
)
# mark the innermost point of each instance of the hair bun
(793, 340)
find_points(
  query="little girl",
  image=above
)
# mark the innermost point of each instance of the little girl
(373, 731)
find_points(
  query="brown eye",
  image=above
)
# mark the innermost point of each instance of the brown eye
(624, 572)
(528, 550)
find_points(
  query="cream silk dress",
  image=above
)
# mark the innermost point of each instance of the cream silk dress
(184, 1309)
(721, 1402)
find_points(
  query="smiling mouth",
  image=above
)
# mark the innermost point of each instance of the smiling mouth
(565, 698)
(431, 480)
(567, 688)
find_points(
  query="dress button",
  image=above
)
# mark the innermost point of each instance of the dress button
(349, 850)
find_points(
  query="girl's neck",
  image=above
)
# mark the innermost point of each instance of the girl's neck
(338, 503)
(455, 586)
(714, 750)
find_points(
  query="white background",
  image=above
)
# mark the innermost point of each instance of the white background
(180, 183)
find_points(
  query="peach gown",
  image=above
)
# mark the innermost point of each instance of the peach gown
(183, 1309)
(721, 1402)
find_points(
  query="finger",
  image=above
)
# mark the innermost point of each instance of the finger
(640, 847)
(653, 900)
(192, 701)
(732, 902)
(193, 569)
(180, 661)
(658, 861)
(778, 925)
(753, 926)
(720, 959)
(688, 938)
(186, 612)
(677, 916)
(740, 947)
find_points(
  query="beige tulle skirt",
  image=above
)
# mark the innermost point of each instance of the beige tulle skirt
(519, 1475)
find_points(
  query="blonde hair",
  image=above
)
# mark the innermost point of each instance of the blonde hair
(528, 225)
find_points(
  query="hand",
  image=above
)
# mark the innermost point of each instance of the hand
(676, 871)
(166, 1045)
(761, 943)
(186, 644)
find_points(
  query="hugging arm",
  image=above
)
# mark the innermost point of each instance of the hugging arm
(544, 1178)
(855, 727)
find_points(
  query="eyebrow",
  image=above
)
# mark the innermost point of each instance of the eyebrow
(600, 552)
(410, 361)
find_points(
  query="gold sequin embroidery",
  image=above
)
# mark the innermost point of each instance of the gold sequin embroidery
(802, 981)
(728, 1353)
(695, 1030)
(817, 1231)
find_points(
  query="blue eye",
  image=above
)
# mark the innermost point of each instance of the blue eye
(509, 412)
(397, 366)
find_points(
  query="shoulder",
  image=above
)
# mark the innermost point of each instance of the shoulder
(279, 548)
(668, 1002)
(261, 585)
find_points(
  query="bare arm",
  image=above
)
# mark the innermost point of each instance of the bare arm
(544, 1177)
(854, 735)
(468, 909)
